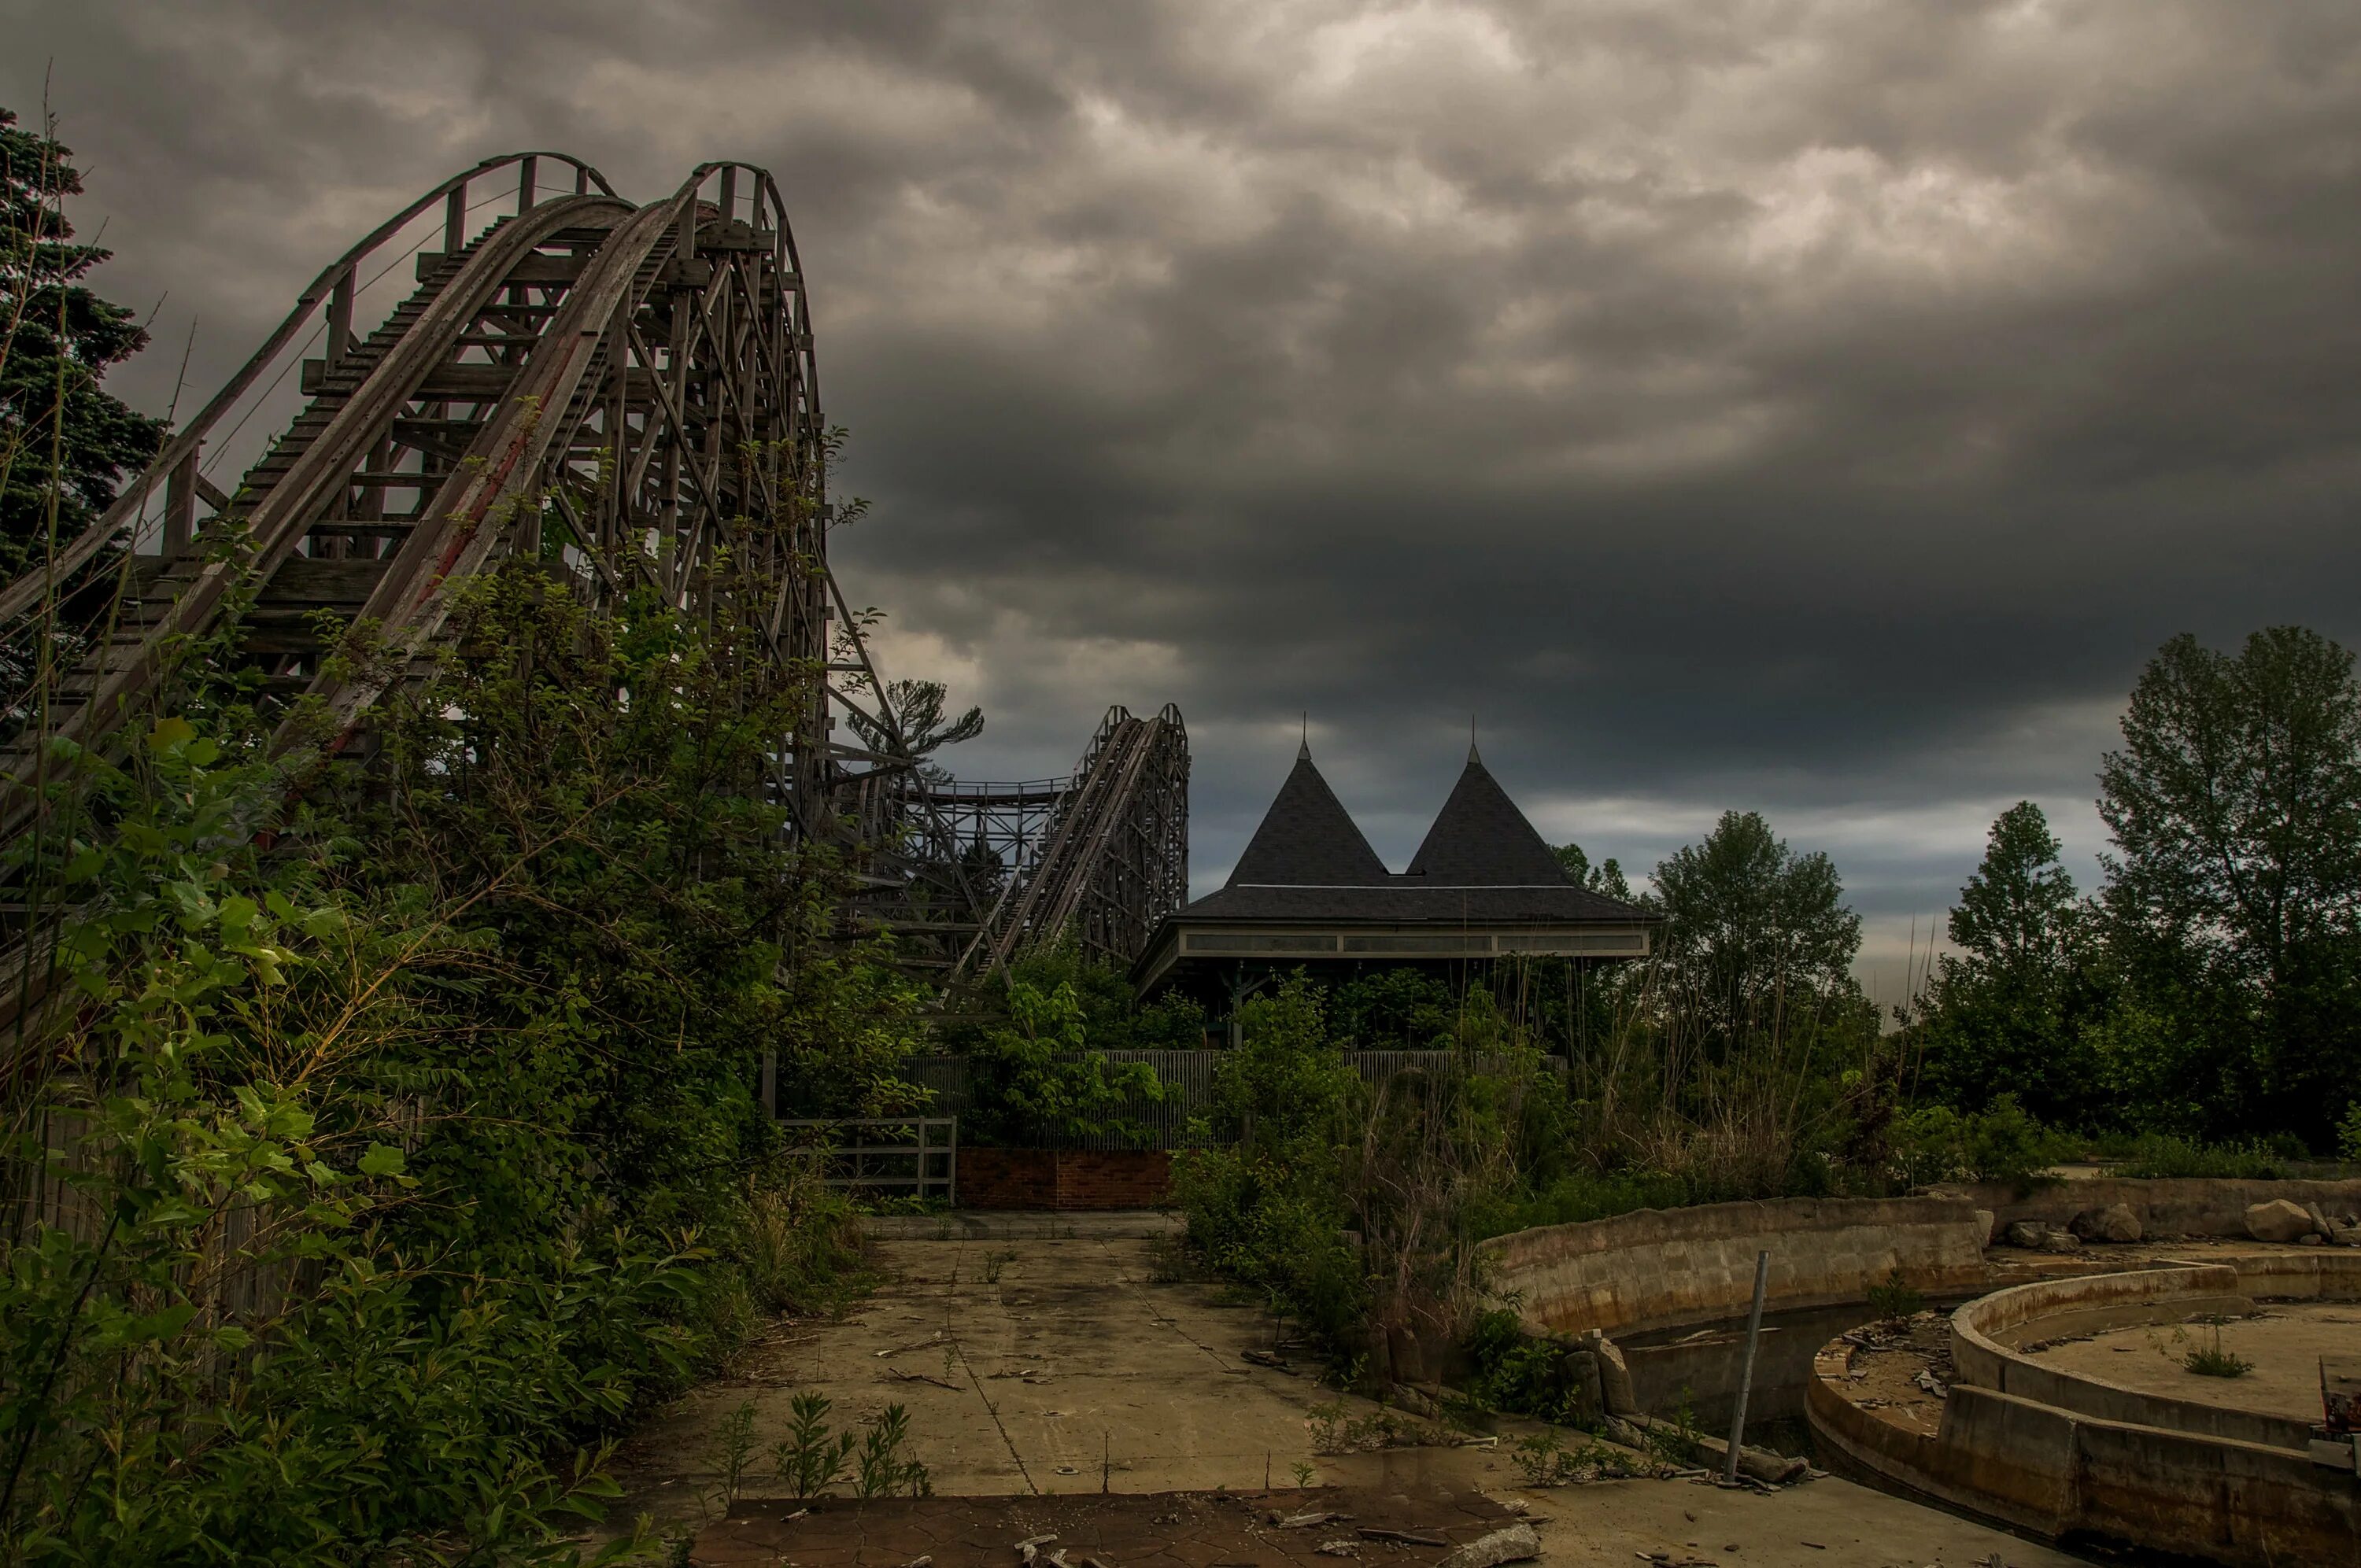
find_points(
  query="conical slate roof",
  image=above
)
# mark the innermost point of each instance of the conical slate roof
(1306, 839)
(1481, 840)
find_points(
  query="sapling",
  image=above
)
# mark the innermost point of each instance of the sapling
(733, 1452)
(809, 1459)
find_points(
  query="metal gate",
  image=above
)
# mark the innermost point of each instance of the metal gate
(898, 1156)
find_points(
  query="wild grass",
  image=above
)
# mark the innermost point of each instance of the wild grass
(2211, 1360)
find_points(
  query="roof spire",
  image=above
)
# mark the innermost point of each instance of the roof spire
(1303, 753)
(1307, 840)
(1471, 737)
(1481, 838)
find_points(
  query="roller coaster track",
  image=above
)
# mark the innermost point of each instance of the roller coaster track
(1096, 859)
(1115, 856)
(628, 394)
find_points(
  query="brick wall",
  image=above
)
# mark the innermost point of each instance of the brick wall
(1063, 1178)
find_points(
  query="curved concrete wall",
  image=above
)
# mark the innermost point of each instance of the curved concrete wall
(2056, 1473)
(2104, 1300)
(2025, 1443)
(1669, 1268)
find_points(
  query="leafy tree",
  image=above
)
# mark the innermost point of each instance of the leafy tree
(1754, 1014)
(65, 444)
(1267, 1205)
(1757, 935)
(1605, 877)
(1114, 1018)
(454, 1068)
(2234, 893)
(1038, 1075)
(2005, 1015)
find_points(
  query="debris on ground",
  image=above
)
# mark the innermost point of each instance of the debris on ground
(1401, 1528)
(930, 1342)
(1517, 1543)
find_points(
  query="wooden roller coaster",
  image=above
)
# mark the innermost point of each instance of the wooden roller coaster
(624, 392)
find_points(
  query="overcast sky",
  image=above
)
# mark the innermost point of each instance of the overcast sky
(1818, 408)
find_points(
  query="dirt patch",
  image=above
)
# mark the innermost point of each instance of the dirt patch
(1175, 1530)
(2283, 1346)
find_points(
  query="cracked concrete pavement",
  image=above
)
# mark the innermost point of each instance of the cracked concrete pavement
(1035, 1361)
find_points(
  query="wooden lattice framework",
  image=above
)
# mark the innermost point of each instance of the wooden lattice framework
(622, 391)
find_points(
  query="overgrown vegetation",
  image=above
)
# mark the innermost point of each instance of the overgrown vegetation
(385, 1171)
(1523, 1373)
(1544, 1459)
(378, 1139)
(2188, 1021)
(1895, 1298)
(875, 1458)
(1040, 1069)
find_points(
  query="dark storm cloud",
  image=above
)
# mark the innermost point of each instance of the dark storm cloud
(1818, 407)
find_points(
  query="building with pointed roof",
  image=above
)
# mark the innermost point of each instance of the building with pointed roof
(1310, 891)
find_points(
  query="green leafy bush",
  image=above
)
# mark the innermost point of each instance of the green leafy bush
(2257, 1159)
(1039, 1077)
(393, 1166)
(1579, 1196)
(1524, 1374)
(1267, 1206)
(2002, 1143)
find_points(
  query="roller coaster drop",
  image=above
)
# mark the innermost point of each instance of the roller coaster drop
(640, 378)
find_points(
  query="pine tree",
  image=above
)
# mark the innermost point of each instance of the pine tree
(2005, 1015)
(2018, 912)
(56, 337)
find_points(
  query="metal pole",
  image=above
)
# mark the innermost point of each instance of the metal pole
(1746, 1375)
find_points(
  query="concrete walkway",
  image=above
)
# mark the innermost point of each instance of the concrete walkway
(1042, 1365)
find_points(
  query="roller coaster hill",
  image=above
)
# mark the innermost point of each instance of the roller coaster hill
(549, 356)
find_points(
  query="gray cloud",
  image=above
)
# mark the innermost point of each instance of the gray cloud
(1818, 407)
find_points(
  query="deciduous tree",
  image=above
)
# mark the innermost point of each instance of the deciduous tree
(2234, 891)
